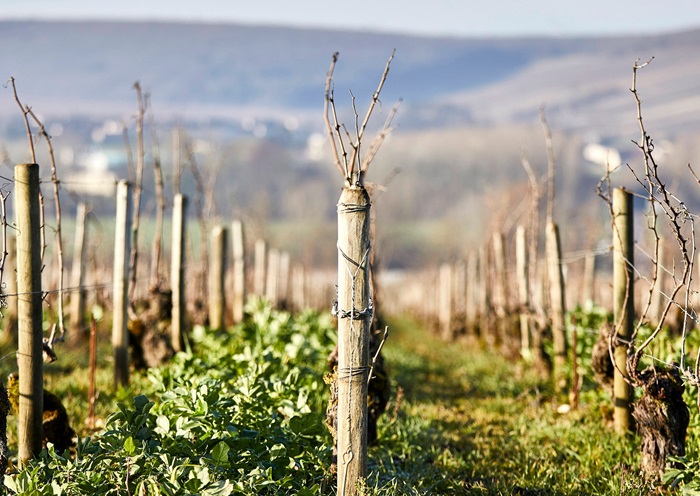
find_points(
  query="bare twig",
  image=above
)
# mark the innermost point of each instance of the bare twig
(657, 195)
(57, 202)
(138, 186)
(25, 112)
(160, 197)
(376, 355)
(550, 164)
(199, 201)
(329, 104)
(379, 138)
(354, 167)
(361, 131)
(534, 214)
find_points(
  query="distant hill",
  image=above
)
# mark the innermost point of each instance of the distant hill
(205, 70)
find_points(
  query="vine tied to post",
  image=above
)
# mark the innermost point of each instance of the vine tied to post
(351, 164)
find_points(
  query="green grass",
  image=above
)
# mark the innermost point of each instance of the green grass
(475, 423)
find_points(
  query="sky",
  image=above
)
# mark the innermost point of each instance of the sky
(424, 17)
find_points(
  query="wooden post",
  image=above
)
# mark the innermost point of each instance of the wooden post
(29, 312)
(354, 317)
(283, 286)
(459, 297)
(558, 305)
(500, 289)
(588, 297)
(273, 273)
(522, 273)
(485, 320)
(77, 302)
(445, 301)
(623, 283)
(299, 296)
(260, 267)
(217, 277)
(122, 250)
(239, 289)
(472, 301)
(177, 274)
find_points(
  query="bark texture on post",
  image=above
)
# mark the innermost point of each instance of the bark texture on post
(77, 302)
(217, 278)
(273, 274)
(485, 309)
(239, 290)
(445, 301)
(588, 297)
(471, 304)
(299, 296)
(558, 305)
(522, 273)
(354, 317)
(500, 289)
(177, 274)
(260, 267)
(29, 312)
(283, 285)
(623, 284)
(120, 318)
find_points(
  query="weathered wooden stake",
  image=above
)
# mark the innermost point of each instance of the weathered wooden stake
(177, 274)
(122, 250)
(445, 301)
(283, 286)
(29, 312)
(558, 305)
(239, 289)
(522, 273)
(588, 296)
(472, 301)
(77, 302)
(500, 287)
(273, 274)
(299, 294)
(485, 308)
(354, 317)
(260, 267)
(623, 284)
(217, 277)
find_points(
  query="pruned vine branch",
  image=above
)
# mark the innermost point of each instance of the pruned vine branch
(348, 157)
(660, 202)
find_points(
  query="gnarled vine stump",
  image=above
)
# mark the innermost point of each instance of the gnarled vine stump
(662, 418)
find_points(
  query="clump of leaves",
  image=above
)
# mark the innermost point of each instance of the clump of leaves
(242, 414)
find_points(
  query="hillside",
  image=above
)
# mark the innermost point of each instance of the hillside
(251, 100)
(202, 70)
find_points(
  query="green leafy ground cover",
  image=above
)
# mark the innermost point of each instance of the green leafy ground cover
(244, 414)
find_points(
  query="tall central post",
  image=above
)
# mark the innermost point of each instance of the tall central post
(354, 317)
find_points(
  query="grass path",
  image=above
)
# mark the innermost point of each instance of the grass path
(473, 423)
